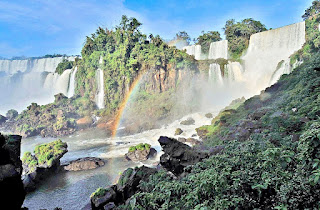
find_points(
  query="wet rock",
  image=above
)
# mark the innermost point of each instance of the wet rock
(59, 97)
(189, 121)
(86, 163)
(178, 131)
(178, 155)
(208, 115)
(12, 193)
(140, 155)
(182, 140)
(37, 172)
(193, 141)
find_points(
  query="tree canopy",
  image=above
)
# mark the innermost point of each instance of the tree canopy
(238, 34)
(205, 40)
(312, 10)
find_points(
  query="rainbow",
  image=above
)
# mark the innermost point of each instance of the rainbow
(123, 105)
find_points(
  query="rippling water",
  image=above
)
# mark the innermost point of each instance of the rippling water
(72, 190)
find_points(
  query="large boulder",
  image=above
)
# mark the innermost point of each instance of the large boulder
(86, 163)
(189, 121)
(12, 193)
(178, 131)
(141, 152)
(44, 163)
(178, 155)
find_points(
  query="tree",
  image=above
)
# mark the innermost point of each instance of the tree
(312, 10)
(206, 38)
(11, 114)
(182, 35)
(238, 34)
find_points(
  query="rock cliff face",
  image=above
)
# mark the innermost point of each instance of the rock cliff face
(12, 193)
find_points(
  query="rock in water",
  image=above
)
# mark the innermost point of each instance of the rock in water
(12, 193)
(86, 163)
(189, 121)
(141, 152)
(178, 131)
(178, 155)
(39, 166)
(209, 115)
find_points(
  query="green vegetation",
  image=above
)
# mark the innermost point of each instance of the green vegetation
(238, 34)
(45, 154)
(99, 192)
(64, 65)
(11, 114)
(205, 40)
(140, 147)
(312, 44)
(125, 53)
(313, 10)
(270, 158)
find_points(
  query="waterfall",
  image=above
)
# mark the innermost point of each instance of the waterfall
(233, 72)
(62, 83)
(31, 80)
(218, 50)
(194, 50)
(215, 76)
(100, 81)
(267, 49)
(72, 83)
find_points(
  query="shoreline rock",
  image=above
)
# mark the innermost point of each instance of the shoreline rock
(86, 163)
(45, 162)
(141, 152)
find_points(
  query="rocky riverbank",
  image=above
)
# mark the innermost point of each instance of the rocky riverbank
(177, 156)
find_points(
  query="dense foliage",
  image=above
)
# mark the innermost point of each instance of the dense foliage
(205, 40)
(312, 44)
(238, 34)
(64, 65)
(45, 154)
(182, 35)
(125, 53)
(140, 146)
(11, 114)
(312, 10)
(271, 155)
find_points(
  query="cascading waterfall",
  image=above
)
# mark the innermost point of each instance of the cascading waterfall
(100, 83)
(233, 72)
(218, 50)
(215, 76)
(72, 83)
(194, 50)
(32, 80)
(266, 50)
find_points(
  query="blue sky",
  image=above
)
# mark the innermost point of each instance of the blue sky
(39, 27)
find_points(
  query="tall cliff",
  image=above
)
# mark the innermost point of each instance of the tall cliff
(12, 193)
